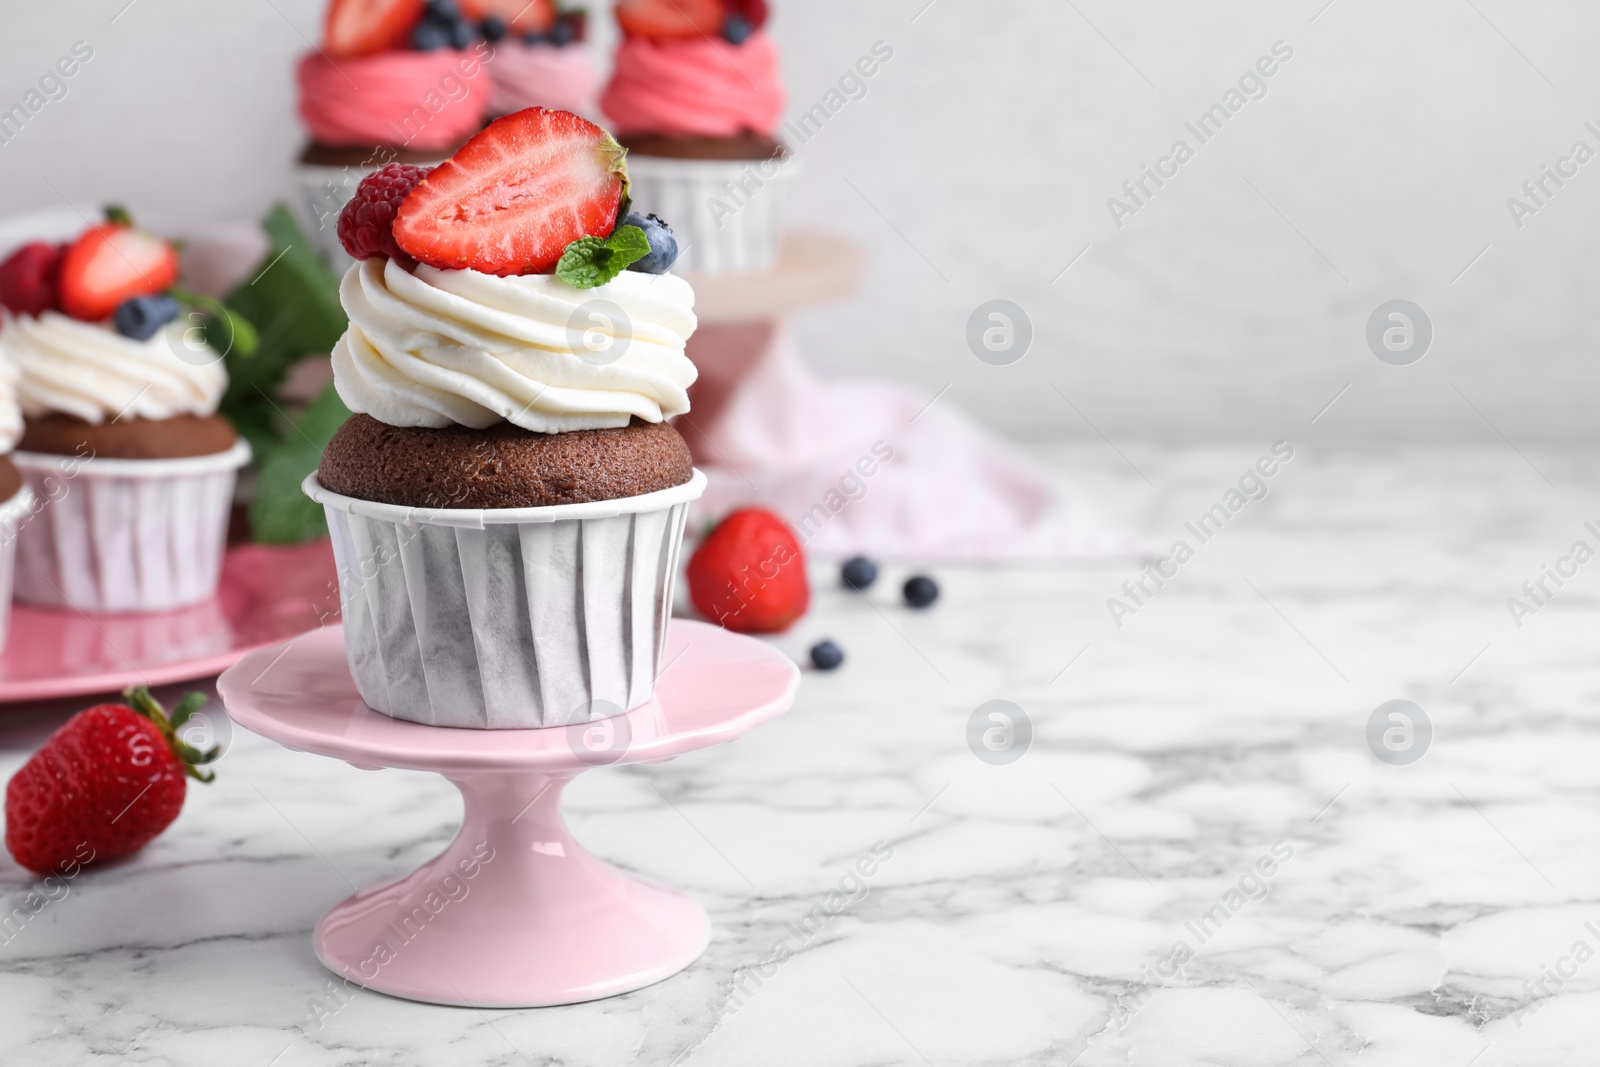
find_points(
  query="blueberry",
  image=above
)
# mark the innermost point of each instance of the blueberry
(533, 37)
(493, 28)
(443, 10)
(663, 246)
(462, 34)
(561, 33)
(921, 591)
(859, 573)
(736, 29)
(430, 36)
(141, 316)
(826, 656)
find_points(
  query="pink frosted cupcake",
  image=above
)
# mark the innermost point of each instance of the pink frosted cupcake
(696, 98)
(546, 66)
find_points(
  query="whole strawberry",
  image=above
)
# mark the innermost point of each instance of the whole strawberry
(749, 574)
(111, 779)
(366, 224)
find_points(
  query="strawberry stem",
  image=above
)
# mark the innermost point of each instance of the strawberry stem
(142, 701)
(118, 215)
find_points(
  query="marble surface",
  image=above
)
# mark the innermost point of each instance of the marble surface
(1072, 906)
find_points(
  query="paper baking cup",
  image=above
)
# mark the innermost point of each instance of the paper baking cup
(125, 535)
(507, 618)
(724, 213)
(13, 513)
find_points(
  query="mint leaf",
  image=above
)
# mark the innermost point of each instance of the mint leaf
(280, 513)
(592, 261)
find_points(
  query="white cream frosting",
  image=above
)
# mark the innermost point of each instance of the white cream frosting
(435, 347)
(89, 370)
(10, 410)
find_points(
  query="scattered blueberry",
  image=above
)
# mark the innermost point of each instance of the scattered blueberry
(826, 656)
(859, 573)
(533, 37)
(663, 246)
(430, 36)
(493, 28)
(462, 34)
(561, 33)
(736, 29)
(443, 10)
(141, 316)
(921, 591)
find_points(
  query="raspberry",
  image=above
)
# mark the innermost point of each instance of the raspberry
(28, 278)
(366, 225)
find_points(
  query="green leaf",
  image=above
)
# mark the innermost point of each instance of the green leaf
(226, 330)
(280, 513)
(293, 299)
(589, 262)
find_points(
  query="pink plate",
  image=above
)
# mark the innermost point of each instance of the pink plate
(514, 913)
(266, 594)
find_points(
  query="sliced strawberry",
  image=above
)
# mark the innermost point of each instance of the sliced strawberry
(662, 19)
(520, 16)
(362, 27)
(515, 195)
(110, 263)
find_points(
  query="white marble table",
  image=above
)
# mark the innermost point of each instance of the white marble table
(1028, 913)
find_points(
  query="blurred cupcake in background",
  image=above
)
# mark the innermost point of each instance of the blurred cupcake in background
(130, 467)
(696, 98)
(541, 56)
(393, 81)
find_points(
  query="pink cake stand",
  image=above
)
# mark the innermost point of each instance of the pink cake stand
(514, 913)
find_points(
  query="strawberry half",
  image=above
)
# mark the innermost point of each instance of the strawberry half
(515, 195)
(749, 574)
(520, 16)
(666, 19)
(363, 27)
(104, 785)
(110, 263)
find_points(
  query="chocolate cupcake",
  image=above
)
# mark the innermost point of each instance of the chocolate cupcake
(508, 502)
(131, 467)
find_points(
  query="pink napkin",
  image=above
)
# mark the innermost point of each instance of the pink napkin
(858, 466)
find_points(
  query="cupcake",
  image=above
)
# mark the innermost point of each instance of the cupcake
(131, 468)
(507, 503)
(393, 81)
(542, 60)
(696, 99)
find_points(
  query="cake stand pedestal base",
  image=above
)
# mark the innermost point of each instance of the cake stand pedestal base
(514, 913)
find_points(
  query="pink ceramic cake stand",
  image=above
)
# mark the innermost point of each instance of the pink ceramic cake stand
(514, 913)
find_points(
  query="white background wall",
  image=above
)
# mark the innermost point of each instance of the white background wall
(1232, 306)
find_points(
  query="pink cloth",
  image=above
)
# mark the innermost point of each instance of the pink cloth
(870, 468)
(542, 75)
(419, 100)
(695, 88)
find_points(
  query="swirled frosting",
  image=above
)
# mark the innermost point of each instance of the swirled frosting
(435, 347)
(10, 410)
(419, 100)
(695, 88)
(542, 75)
(94, 373)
